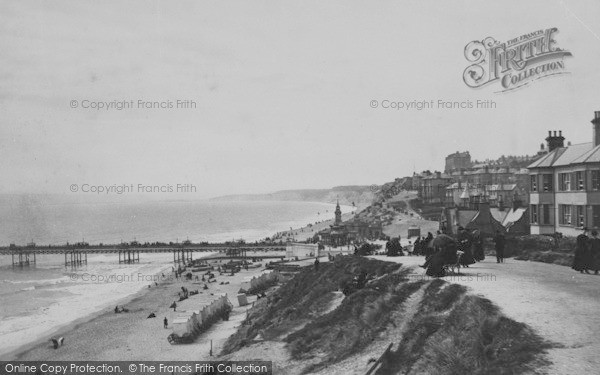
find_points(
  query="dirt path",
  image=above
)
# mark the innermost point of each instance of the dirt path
(562, 305)
(402, 221)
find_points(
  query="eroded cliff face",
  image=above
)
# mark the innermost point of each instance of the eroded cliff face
(433, 326)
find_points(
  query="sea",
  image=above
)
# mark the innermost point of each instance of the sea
(38, 300)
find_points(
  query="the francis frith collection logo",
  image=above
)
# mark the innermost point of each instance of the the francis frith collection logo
(514, 63)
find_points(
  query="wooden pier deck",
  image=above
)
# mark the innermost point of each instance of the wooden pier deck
(74, 256)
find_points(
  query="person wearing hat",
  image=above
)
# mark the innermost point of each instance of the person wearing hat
(581, 260)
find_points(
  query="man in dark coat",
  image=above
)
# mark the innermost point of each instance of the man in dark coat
(499, 241)
(581, 261)
(595, 251)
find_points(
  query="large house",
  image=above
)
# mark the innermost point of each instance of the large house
(565, 185)
(458, 161)
(432, 188)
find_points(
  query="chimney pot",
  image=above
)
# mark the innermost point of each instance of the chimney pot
(555, 133)
(560, 133)
(549, 133)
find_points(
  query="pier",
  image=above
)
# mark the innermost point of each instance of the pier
(26, 256)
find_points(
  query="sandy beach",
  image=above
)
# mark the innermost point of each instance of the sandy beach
(131, 335)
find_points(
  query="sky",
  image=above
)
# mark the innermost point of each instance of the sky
(283, 91)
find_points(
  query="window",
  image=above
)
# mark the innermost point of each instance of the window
(534, 183)
(580, 216)
(547, 182)
(595, 180)
(534, 213)
(546, 213)
(565, 214)
(596, 216)
(565, 181)
(579, 180)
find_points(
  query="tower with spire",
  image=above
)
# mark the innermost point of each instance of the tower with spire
(338, 213)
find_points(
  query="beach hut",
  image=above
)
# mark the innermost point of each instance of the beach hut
(180, 326)
(414, 231)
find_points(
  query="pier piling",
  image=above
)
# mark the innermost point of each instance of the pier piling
(129, 256)
(75, 258)
(23, 259)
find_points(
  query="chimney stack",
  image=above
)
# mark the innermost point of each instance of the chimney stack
(556, 141)
(596, 122)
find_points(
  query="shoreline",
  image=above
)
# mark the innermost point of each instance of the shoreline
(19, 352)
(38, 347)
(15, 354)
(131, 335)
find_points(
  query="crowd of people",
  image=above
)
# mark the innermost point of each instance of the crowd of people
(464, 249)
(587, 253)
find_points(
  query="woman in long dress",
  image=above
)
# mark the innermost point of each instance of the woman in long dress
(464, 244)
(581, 260)
(478, 253)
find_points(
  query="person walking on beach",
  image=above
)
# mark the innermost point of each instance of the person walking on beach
(499, 245)
(316, 264)
(166, 322)
(581, 259)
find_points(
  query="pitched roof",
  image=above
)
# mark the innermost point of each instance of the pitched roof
(463, 217)
(575, 154)
(513, 216)
(485, 221)
(497, 214)
(501, 187)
